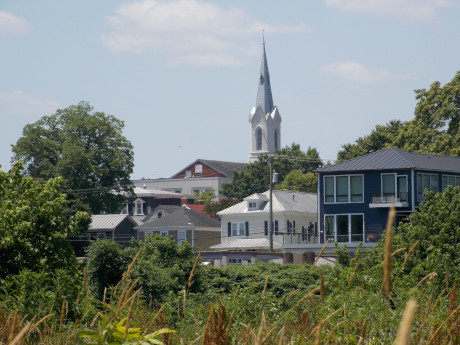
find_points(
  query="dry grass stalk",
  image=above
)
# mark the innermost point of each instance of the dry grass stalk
(404, 327)
(190, 280)
(265, 286)
(354, 271)
(320, 252)
(20, 335)
(387, 253)
(131, 266)
(259, 340)
(281, 340)
(292, 293)
(333, 330)
(13, 326)
(406, 255)
(34, 326)
(442, 325)
(429, 277)
(321, 280)
(318, 333)
(130, 312)
(63, 313)
(150, 325)
(324, 321)
(124, 298)
(398, 251)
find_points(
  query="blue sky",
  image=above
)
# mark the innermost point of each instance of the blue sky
(182, 74)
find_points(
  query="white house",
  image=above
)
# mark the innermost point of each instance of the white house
(245, 226)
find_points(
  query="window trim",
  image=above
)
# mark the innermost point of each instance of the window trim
(349, 215)
(349, 189)
(455, 177)
(238, 229)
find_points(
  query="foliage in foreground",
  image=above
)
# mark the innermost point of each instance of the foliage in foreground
(400, 290)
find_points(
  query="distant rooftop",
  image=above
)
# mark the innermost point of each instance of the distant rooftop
(394, 158)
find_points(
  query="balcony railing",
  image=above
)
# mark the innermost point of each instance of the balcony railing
(400, 198)
(305, 238)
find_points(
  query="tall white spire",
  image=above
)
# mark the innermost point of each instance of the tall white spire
(264, 119)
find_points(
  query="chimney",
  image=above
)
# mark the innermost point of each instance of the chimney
(183, 201)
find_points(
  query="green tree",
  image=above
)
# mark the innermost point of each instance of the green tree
(257, 175)
(206, 196)
(86, 148)
(436, 126)
(33, 227)
(435, 129)
(299, 182)
(380, 138)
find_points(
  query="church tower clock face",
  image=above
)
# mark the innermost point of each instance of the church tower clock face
(264, 119)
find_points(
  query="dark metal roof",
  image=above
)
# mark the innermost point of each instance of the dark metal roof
(393, 158)
(183, 217)
(225, 168)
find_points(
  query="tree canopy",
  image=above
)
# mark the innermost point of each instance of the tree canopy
(87, 149)
(33, 227)
(434, 128)
(257, 175)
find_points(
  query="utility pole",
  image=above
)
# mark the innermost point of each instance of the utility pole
(270, 163)
(273, 180)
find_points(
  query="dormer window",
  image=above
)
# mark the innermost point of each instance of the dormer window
(188, 173)
(198, 170)
(139, 207)
(252, 205)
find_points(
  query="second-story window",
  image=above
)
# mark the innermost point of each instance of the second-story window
(426, 181)
(343, 188)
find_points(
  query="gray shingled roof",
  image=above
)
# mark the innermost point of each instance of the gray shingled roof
(225, 168)
(100, 222)
(393, 158)
(283, 201)
(182, 217)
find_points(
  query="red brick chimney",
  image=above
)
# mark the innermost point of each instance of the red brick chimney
(183, 201)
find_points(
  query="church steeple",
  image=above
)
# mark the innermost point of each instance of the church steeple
(264, 91)
(264, 119)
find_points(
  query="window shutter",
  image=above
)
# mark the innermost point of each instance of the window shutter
(229, 229)
(276, 227)
(303, 233)
(246, 225)
(266, 228)
(288, 227)
(293, 227)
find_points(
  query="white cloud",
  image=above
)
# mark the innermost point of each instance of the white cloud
(13, 103)
(353, 72)
(13, 25)
(418, 10)
(188, 31)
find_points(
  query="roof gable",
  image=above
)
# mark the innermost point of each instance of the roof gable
(108, 221)
(283, 201)
(214, 168)
(394, 158)
(181, 218)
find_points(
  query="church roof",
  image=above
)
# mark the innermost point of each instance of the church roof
(264, 91)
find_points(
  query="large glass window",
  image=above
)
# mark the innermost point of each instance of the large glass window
(329, 189)
(402, 188)
(450, 180)
(238, 229)
(343, 188)
(356, 188)
(426, 181)
(344, 227)
(330, 230)
(388, 187)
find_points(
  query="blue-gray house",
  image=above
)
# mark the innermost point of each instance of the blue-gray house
(354, 196)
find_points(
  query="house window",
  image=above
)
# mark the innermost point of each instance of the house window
(252, 205)
(258, 139)
(164, 233)
(181, 236)
(238, 229)
(290, 227)
(426, 181)
(344, 188)
(159, 214)
(235, 261)
(188, 173)
(344, 227)
(125, 210)
(198, 170)
(138, 208)
(450, 180)
(276, 139)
